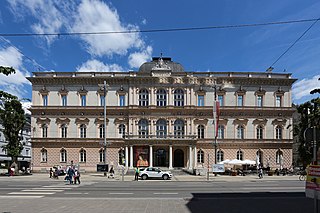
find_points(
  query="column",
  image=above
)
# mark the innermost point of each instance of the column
(170, 157)
(150, 156)
(190, 157)
(151, 97)
(131, 157)
(127, 156)
(169, 97)
(195, 157)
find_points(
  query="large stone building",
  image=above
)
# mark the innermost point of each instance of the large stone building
(160, 115)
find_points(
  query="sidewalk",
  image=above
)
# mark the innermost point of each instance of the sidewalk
(97, 177)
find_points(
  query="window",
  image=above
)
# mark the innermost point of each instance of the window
(278, 101)
(279, 132)
(178, 97)
(102, 100)
(44, 155)
(143, 128)
(259, 132)
(45, 100)
(200, 131)
(63, 156)
(83, 131)
(161, 97)
(101, 131)
(122, 130)
(64, 131)
(220, 155)
(101, 155)
(83, 100)
(240, 100)
(179, 129)
(83, 156)
(64, 100)
(200, 100)
(279, 157)
(122, 100)
(240, 132)
(143, 97)
(44, 130)
(200, 156)
(220, 99)
(122, 159)
(161, 128)
(259, 100)
(221, 132)
(240, 155)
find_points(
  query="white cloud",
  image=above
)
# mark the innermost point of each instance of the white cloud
(98, 66)
(136, 59)
(144, 21)
(301, 89)
(96, 16)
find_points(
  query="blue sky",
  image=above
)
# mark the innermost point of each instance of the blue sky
(234, 49)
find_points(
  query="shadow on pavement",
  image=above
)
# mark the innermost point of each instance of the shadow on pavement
(265, 202)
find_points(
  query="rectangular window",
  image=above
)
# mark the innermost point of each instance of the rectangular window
(220, 99)
(200, 100)
(259, 101)
(278, 101)
(83, 100)
(45, 100)
(27, 152)
(122, 100)
(240, 100)
(64, 100)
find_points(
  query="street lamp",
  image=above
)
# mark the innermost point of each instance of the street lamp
(215, 118)
(104, 126)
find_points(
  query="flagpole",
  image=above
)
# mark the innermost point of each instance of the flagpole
(215, 123)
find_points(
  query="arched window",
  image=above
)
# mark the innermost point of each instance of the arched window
(259, 132)
(83, 156)
(179, 128)
(83, 131)
(63, 156)
(143, 97)
(279, 157)
(278, 132)
(122, 130)
(161, 97)
(259, 157)
(143, 128)
(101, 155)
(240, 155)
(161, 128)
(122, 159)
(44, 155)
(200, 156)
(178, 97)
(64, 131)
(240, 132)
(221, 131)
(200, 131)
(44, 128)
(220, 155)
(101, 130)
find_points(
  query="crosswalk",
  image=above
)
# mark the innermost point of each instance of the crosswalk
(40, 192)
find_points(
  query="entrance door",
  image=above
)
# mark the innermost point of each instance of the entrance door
(161, 158)
(178, 158)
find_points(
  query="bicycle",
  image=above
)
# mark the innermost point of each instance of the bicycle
(302, 175)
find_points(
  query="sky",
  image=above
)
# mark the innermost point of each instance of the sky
(230, 49)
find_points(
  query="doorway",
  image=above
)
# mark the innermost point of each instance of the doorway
(178, 158)
(161, 158)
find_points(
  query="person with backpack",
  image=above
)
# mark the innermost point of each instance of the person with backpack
(70, 174)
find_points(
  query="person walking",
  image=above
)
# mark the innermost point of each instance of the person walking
(111, 173)
(76, 177)
(260, 175)
(70, 174)
(50, 173)
(136, 173)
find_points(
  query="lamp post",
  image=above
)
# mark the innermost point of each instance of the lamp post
(104, 126)
(215, 113)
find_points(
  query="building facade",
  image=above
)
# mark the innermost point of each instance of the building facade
(160, 115)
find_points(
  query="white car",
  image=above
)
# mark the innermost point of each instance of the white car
(151, 172)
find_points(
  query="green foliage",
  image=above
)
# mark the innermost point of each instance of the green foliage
(7, 70)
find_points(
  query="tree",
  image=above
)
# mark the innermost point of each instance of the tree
(12, 118)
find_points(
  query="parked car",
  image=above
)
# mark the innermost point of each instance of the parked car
(151, 172)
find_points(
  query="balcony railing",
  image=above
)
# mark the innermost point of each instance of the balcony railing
(162, 137)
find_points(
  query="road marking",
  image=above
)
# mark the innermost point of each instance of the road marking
(53, 188)
(120, 193)
(17, 196)
(73, 193)
(31, 193)
(42, 190)
(165, 193)
(61, 186)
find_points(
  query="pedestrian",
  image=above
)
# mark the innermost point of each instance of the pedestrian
(136, 174)
(70, 174)
(260, 175)
(76, 177)
(111, 172)
(50, 171)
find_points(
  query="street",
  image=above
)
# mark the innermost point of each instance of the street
(41, 194)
